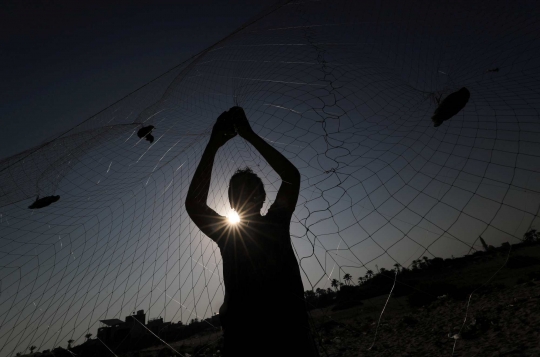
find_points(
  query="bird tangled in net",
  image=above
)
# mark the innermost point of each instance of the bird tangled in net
(44, 202)
(450, 106)
(146, 132)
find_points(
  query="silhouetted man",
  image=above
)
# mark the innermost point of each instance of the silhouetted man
(264, 312)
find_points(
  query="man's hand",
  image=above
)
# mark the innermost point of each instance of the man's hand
(240, 121)
(223, 130)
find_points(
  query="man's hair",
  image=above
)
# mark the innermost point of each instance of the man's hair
(247, 174)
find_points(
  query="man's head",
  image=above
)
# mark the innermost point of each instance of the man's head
(246, 192)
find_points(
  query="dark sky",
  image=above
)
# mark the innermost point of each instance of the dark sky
(62, 61)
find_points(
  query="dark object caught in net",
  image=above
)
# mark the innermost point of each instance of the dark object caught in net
(44, 202)
(146, 132)
(450, 106)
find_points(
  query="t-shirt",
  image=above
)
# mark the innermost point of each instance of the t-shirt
(263, 285)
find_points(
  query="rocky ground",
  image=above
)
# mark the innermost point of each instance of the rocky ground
(502, 318)
(500, 323)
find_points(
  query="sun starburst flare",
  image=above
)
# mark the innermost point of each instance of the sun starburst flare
(233, 217)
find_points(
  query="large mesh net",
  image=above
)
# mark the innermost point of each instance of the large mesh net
(346, 91)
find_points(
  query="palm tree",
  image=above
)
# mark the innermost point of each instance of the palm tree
(69, 343)
(397, 266)
(531, 236)
(369, 274)
(88, 335)
(347, 277)
(335, 284)
(360, 280)
(32, 348)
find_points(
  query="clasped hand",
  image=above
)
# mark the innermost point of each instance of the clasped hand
(228, 124)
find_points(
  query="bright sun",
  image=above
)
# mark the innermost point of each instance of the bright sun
(233, 217)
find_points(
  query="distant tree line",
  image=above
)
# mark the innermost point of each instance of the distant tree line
(413, 281)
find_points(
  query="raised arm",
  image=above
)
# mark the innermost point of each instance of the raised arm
(290, 187)
(203, 216)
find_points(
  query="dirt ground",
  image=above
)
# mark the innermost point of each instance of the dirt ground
(502, 323)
